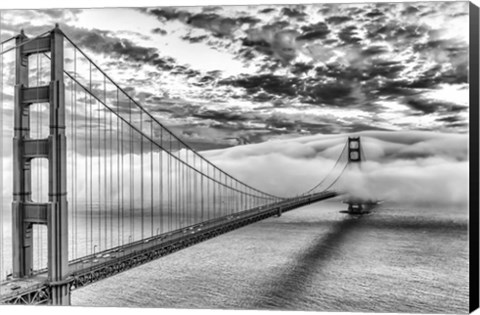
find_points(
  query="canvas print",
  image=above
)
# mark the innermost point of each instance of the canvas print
(309, 157)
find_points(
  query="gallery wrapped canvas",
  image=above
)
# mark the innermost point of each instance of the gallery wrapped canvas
(259, 156)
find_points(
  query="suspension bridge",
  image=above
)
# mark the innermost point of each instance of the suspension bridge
(100, 185)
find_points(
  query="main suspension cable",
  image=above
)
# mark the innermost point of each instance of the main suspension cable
(331, 171)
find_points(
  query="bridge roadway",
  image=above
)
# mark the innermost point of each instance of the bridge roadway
(89, 269)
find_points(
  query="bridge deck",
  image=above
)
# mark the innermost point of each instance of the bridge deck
(112, 261)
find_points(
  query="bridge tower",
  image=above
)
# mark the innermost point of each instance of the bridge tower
(355, 206)
(25, 211)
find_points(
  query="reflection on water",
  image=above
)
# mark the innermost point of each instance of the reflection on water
(396, 259)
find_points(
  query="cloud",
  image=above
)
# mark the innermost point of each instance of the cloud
(373, 51)
(266, 10)
(418, 167)
(275, 39)
(294, 12)
(169, 13)
(103, 41)
(195, 39)
(336, 19)
(159, 31)
(430, 181)
(427, 106)
(213, 22)
(349, 35)
(331, 92)
(207, 20)
(316, 31)
(269, 83)
(374, 13)
(312, 59)
(410, 10)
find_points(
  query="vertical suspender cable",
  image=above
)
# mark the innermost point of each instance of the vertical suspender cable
(174, 189)
(71, 180)
(221, 195)
(183, 191)
(105, 166)
(179, 186)
(190, 183)
(237, 194)
(91, 163)
(111, 157)
(169, 180)
(186, 190)
(175, 193)
(39, 124)
(235, 197)
(75, 196)
(132, 234)
(186, 186)
(206, 194)
(177, 189)
(86, 174)
(195, 191)
(1, 159)
(202, 193)
(119, 170)
(142, 197)
(226, 193)
(209, 200)
(230, 196)
(122, 207)
(214, 195)
(99, 157)
(151, 179)
(161, 195)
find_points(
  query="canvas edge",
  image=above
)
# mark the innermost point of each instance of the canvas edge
(474, 234)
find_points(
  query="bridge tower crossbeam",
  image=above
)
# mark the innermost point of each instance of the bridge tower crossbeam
(25, 211)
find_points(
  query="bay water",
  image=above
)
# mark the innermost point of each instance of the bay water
(398, 258)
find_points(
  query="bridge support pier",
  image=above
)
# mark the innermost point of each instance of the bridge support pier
(355, 208)
(25, 211)
(60, 293)
(359, 206)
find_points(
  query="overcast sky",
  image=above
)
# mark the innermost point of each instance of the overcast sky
(221, 76)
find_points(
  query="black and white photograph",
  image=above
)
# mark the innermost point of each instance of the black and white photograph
(260, 156)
